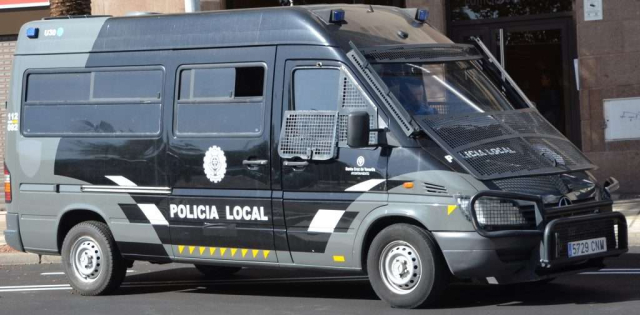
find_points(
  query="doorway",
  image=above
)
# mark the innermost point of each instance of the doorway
(539, 57)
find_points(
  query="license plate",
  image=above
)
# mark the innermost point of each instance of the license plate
(588, 247)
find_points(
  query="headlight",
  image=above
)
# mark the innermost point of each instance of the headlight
(498, 212)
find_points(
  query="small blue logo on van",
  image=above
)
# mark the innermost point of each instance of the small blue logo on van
(60, 31)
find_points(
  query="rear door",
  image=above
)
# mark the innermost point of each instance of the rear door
(219, 155)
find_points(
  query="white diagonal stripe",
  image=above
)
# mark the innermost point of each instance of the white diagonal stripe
(153, 214)
(366, 185)
(325, 221)
(121, 180)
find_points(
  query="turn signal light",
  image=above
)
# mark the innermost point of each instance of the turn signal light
(7, 185)
(408, 185)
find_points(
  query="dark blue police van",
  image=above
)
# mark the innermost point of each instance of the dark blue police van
(346, 137)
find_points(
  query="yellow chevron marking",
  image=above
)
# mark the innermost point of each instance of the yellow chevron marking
(255, 252)
(212, 250)
(191, 248)
(180, 248)
(338, 258)
(244, 252)
(265, 253)
(450, 209)
(222, 250)
(233, 251)
(202, 250)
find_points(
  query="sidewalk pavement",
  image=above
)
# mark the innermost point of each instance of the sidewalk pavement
(630, 208)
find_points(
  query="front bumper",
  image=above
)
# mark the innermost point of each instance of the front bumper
(533, 254)
(12, 233)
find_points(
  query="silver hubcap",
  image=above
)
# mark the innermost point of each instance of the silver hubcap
(400, 267)
(86, 258)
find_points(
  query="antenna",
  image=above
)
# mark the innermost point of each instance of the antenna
(370, 8)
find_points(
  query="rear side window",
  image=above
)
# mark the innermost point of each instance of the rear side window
(108, 102)
(58, 87)
(220, 100)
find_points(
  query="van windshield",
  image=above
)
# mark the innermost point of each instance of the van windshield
(449, 88)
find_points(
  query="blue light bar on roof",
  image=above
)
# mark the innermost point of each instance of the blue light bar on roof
(422, 15)
(32, 32)
(337, 16)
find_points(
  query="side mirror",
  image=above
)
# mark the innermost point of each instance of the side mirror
(611, 185)
(358, 130)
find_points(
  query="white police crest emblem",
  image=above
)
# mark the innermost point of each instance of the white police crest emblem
(215, 164)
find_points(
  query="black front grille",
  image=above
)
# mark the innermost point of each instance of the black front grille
(570, 232)
(535, 185)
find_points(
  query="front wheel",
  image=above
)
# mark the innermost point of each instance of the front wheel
(91, 259)
(405, 267)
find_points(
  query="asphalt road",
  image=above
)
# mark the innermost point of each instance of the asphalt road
(179, 289)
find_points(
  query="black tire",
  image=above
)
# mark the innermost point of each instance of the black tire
(217, 271)
(408, 247)
(93, 238)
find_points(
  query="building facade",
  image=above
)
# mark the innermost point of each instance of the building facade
(571, 57)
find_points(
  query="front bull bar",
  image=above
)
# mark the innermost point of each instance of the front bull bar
(545, 226)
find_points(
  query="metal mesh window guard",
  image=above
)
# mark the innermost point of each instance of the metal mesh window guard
(309, 135)
(353, 99)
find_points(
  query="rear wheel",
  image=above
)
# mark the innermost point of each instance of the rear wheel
(216, 271)
(405, 267)
(91, 259)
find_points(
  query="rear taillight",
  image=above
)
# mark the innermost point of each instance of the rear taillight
(7, 185)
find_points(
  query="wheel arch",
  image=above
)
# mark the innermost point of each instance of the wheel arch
(378, 220)
(73, 215)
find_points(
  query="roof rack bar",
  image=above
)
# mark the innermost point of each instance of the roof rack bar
(68, 17)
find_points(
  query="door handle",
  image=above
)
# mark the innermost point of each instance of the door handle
(254, 162)
(296, 163)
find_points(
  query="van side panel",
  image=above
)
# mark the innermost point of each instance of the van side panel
(32, 161)
(50, 172)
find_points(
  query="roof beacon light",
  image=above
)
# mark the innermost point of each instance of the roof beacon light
(337, 16)
(32, 32)
(422, 15)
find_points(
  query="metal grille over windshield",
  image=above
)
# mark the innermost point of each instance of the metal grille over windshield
(505, 144)
(453, 95)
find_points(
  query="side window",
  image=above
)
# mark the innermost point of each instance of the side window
(332, 89)
(316, 89)
(100, 102)
(209, 95)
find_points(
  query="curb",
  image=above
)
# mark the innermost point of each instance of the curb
(626, 201)
(8, 259)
